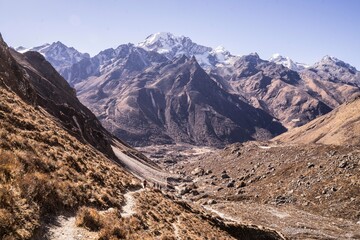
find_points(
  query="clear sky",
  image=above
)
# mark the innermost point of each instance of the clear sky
(304, 30)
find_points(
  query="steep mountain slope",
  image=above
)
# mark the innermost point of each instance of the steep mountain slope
(339, 127)
(47, 89)
(293, 98)
(174, 102)
(173, 46)
(47, 170)
(59, 55)
(273, 88)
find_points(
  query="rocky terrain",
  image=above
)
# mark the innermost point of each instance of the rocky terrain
(175, 102)
(58, 170)
(302, 191)
(304, 183)
(74, 180)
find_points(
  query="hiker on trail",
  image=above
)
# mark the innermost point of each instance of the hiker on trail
(144, 183)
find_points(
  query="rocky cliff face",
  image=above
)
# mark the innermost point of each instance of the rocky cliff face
(175, 102)
(293, 97)
(122, 87)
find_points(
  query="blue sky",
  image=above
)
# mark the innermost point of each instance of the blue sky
(304, 30)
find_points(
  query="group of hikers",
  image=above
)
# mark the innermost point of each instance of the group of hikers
(155, 185)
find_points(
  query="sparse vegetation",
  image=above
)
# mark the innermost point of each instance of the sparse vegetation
(89, 218)
(44, 170)
(282, 186)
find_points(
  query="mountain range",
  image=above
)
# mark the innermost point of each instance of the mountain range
(63, 176)
(168, 89)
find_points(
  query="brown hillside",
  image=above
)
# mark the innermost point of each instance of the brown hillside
(44, 170)
(339, 127)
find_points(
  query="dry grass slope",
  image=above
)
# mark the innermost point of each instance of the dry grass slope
(339, 127)
(44, 170)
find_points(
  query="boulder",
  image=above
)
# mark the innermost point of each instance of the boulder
(198, 171)
(224, 175)
(231, 184)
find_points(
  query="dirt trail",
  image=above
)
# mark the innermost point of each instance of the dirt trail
(65, 227)
(129, 208)
(176, 229)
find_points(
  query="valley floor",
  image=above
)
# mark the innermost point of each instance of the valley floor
(219, 186)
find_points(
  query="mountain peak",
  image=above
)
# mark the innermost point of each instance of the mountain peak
(328, 58)
(277, 56)
(21, 49)
(153, 38)
(172, 46)
(287, 62)
(254, 54)
(332, 61)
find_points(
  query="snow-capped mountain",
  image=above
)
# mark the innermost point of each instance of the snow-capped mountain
(160, 84)
(329, 61)
(287, 62)
(121, 62)
(58, 54)
(173, 46)
(336, 70)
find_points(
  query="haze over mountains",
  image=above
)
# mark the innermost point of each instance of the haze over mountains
(168, 89)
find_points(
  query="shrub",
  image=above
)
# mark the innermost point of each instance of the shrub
(89, 218)
(112, 232)
(6, 221)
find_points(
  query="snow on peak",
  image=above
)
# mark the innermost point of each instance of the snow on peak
(287, 62)
(173, 46)
(328, 58)
(276, 56)
(21, 49)
(153, 38)
(335, 62)
(220, 49)
(58, 54)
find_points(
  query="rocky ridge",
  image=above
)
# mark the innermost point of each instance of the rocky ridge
(292, 98)
(59, 55)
